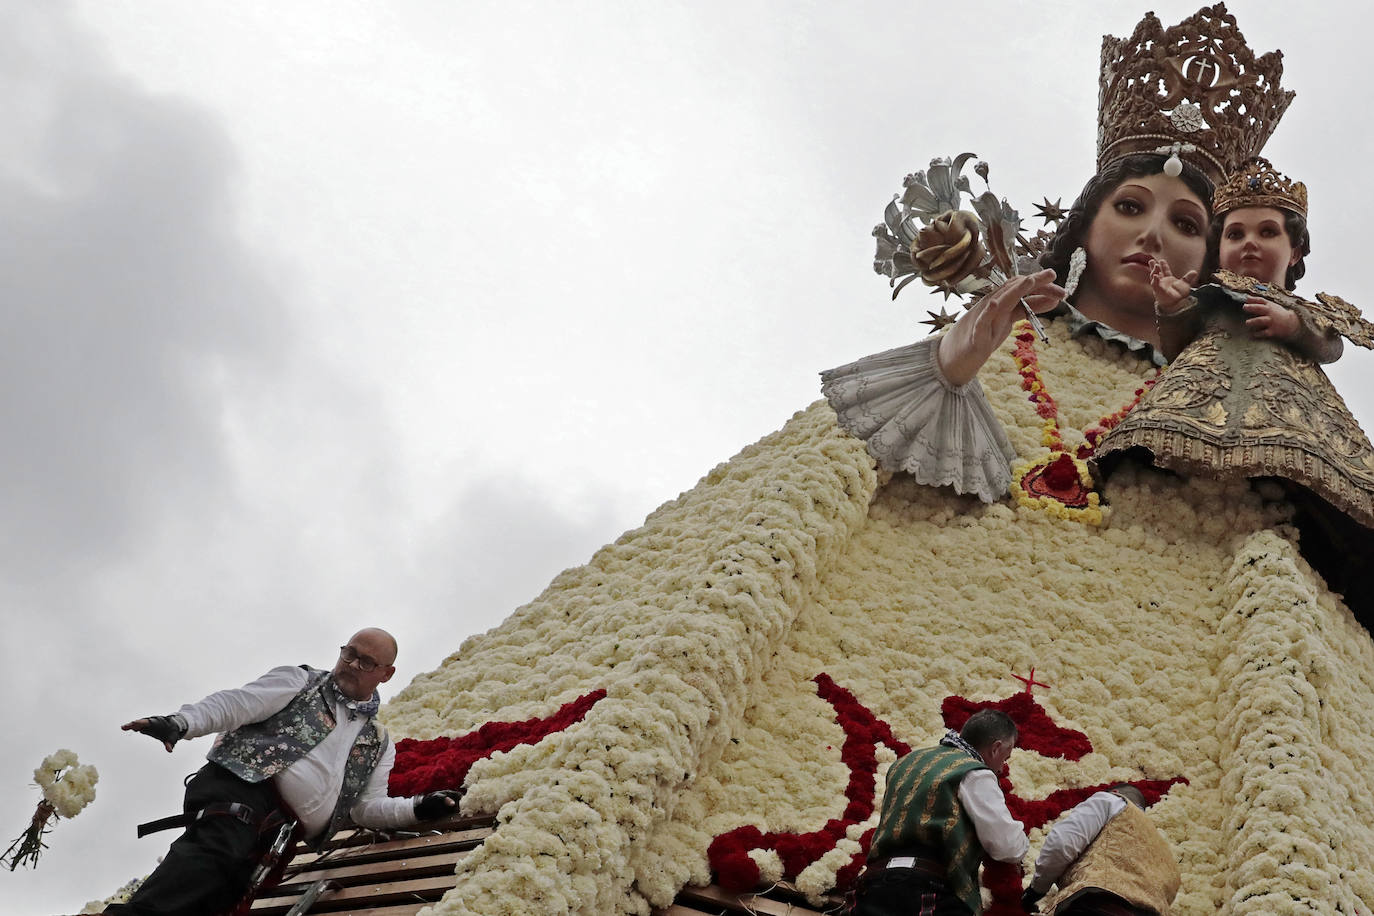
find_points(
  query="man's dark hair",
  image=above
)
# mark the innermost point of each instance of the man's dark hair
(986, 726)
(1130, 793)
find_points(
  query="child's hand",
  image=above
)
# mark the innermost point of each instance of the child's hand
(1170, 291)
(1269, 319)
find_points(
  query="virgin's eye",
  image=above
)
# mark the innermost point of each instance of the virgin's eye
(1187, 225)
(1129, 206)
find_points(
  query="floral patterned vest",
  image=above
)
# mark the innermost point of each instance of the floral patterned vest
(261, 750)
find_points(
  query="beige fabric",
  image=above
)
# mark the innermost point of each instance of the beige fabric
(1129, 858)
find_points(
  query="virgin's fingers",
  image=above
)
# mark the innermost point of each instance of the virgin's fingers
(1010, 291)
(1045, 286)
(1044, 302)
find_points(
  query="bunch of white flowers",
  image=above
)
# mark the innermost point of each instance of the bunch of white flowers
(68, 786)
(120, 896)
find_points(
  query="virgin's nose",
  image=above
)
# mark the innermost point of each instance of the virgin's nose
(1151, 237)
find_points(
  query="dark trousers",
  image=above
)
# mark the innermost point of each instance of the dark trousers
(1102, 904)
(905, 892)
(208, 867)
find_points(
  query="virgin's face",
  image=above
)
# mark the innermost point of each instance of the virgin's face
(1143, 218)
(1255, 244)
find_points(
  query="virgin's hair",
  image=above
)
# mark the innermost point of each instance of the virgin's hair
(1298, 236)
(1074, 228)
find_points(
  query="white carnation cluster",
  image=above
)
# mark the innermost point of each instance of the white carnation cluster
(67, 784)
(120, 896)
(67, 788)
(1185, 637)
(677, 621)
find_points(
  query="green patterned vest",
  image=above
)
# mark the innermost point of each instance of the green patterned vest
(921, 808)
(261, 750)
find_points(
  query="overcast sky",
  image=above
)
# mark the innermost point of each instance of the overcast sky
(329, 314)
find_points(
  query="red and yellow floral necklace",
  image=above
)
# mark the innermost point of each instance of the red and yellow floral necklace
(1061, 483)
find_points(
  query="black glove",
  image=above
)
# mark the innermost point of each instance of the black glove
(167, 729)
(1030, 899)
(434, 805)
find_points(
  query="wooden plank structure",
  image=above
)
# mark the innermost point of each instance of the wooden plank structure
(399, 875)
(378, 876)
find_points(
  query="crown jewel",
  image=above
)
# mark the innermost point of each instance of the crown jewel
(1194, 89)
(1259, 184)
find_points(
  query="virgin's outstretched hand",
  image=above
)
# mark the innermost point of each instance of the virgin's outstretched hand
(983, 328)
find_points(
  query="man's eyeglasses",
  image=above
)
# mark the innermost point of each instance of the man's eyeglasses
(350, 654)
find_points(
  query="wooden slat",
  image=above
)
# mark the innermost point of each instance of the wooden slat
(447, 825)
(374, 848)
(742, 903)
(430, 844)
(406, 910)
(347, 872)
(419, 891)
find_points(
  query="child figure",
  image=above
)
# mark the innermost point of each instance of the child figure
(1244, 394)
(1258, 241)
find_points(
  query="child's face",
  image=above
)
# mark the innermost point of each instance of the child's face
(1255, 244)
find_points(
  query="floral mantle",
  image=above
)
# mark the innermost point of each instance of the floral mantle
(769, 641)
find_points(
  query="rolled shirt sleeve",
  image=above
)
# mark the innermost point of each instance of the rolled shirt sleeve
(226, 710)
(374, 808)
(1002, 837)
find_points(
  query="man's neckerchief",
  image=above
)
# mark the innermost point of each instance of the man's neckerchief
(365, 708)
(952, 739)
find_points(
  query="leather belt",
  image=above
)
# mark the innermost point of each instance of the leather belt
(924, 866)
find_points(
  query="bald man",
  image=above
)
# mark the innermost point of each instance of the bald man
(299, 743)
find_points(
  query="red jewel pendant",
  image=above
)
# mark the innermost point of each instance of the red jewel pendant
(1058, 479)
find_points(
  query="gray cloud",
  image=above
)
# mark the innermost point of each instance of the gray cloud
(128, 298)
(496, 547)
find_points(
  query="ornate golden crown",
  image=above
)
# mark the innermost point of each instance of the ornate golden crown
(1195, 89)
(1259, 184)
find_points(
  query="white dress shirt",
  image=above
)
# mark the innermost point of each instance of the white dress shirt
(1001, 837)
(1073, 834)
(311, 785)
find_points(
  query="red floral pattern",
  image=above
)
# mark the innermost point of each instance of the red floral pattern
(443, 763)
(1038, 732)
(728, 853)
(1058, 479)
(863, 732)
